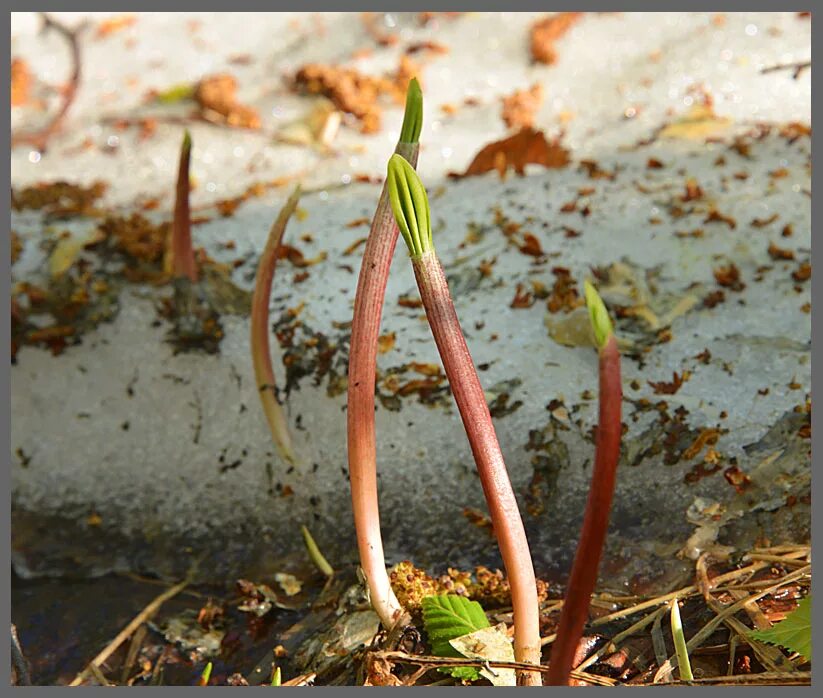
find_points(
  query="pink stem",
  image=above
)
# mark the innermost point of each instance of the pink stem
(595, 521)
(362, 451)
(471, 402)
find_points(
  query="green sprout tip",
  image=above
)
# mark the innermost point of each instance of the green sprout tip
(599, 316)
(276, 679)
(410, 206)
(186, 140)
(206, 675)
(413, 118)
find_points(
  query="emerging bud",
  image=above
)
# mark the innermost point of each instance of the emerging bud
(599, 316)
(410, 206)
(413, 118)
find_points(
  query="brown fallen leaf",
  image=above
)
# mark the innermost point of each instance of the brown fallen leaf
(385, 342)
(665, 388)
(216, 95)
(520, 107)
(114, 24)
(545, 32)
(526, 147)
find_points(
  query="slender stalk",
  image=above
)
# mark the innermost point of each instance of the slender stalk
(368, 308)
(411, 209)
(180, 257)
(260, 351)
(596, 517)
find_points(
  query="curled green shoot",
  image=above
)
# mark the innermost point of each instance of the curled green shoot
(410, 206)
(413, 117)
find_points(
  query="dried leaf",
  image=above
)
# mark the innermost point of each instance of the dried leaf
(491, 644)
(526, 147)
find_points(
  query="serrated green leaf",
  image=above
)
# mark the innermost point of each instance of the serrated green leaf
(794, 632)
(448, 616)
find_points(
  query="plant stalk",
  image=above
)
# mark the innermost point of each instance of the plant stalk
(182, 263)
(471, 402)
(365, 330)
(260, 350)
(596, 517)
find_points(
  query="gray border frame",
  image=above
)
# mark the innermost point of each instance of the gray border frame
(394, 5)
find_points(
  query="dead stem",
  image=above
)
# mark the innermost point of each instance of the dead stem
(431, 661)
(39, 138)
(260, 350)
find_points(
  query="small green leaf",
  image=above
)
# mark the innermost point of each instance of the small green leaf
(794, 632)
(175, 94)
(410, 205)
(449, 616)
(599, 316)
(413, 118)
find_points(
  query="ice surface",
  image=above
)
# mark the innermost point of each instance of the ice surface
(172, 451)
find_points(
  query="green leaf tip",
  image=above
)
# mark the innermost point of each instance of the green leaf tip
(599, 316)
(410, 206)
(413, 118)
(186, 140)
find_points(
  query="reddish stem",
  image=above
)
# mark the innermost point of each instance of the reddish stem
(182, 252)
(471, 402)
(595, 520)
(362, 451)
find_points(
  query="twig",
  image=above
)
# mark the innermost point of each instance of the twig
(40, 137)
(126, 632)
(18, 659)
(424, 660)
(797, 67)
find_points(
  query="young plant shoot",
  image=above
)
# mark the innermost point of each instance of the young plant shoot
(260, 352)
(365, 329)
(596, 516)
(410, 206)
(180, 254)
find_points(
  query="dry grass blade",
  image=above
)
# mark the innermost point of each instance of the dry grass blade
(126, 632)
(727, 612)
(260, 350)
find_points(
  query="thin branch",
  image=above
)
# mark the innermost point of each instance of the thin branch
(39, 138)
(797, 68)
